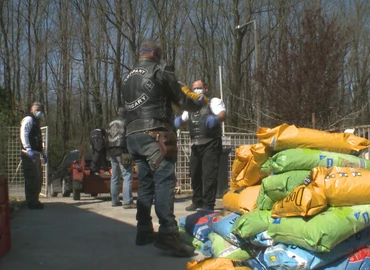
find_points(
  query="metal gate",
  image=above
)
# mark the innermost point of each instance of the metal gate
(229, 142)
(14, 163)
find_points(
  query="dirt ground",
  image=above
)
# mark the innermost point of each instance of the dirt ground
(85, 234)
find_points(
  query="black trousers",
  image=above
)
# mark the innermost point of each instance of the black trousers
(204, 162)
(99, 159)
(32, 173)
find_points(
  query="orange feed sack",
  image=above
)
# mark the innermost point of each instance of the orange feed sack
(289, 136)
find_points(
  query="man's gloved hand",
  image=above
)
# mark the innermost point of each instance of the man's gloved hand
(177, 122)
(211, 121)
(126, 160)
(31, 154)
(199, 101)
(45, 158)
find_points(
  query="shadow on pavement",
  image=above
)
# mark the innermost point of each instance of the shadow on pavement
(66, 236)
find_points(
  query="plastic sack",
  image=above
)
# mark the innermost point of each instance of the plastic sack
(246, 166)
(307, 159)
(223, 248)
(289, 136)
(303, 201)
(190, 239)
(252, 223)
(342, 185)
(216, 263)
(196, 224)
(277, 186)
(283, 256)
(357, 260)
(322, 232)
(241, 201)
(222, 222)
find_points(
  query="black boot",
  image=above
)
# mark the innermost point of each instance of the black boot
(171, 242)
(144, 238)
(193, 207)
(145, 235)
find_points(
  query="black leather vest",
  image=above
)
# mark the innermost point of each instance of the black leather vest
(145, 97)
(35, 137)
(199, 133)
(116, 133)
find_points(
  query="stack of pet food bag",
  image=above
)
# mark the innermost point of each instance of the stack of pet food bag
(298, 199)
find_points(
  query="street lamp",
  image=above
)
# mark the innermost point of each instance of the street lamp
(239, 28)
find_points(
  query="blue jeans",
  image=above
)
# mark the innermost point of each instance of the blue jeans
(157, 185)
(117, 170)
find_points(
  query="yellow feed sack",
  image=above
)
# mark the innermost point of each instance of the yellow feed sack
(303, 201)
(241, 201)
(343, 186)
(289, 136)
(247, 164)
(216, 263)
(191, 95)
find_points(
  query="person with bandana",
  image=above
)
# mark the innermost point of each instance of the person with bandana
(32, 150)
(149, 91)
(206, 149)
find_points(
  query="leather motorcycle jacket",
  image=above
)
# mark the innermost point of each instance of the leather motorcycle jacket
(148, 91)
(116, 133)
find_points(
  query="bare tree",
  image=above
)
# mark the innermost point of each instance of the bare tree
(304, 78)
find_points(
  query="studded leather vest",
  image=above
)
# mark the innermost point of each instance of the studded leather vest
(35, 137)
(199, 133)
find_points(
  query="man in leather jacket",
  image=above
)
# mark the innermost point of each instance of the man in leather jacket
(32, 149)
(206, 149)
(148, 91)
(121, 161)
(97, 142)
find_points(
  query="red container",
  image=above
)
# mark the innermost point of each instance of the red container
(4, 195)
(5, 241)
(4, 216)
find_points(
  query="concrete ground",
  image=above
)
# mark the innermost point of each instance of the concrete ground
(86, 234)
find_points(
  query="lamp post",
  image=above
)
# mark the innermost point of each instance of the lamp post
(238, 28)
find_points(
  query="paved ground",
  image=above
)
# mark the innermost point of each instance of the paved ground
(87, 234)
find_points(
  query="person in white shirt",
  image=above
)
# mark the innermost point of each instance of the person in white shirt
(206, 138)
(32, 149)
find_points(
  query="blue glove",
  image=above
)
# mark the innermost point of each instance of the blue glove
(211, 121)
(177, 122)
(199, 101)
(45, 158)
(31, 154)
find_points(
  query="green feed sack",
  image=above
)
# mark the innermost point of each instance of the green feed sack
(307, 159)
(224, 249)
(277, 186)
(252, 223)
(323, 231)
(189, 239)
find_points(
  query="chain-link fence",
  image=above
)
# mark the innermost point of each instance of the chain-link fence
(14, 163)
(230, 142)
